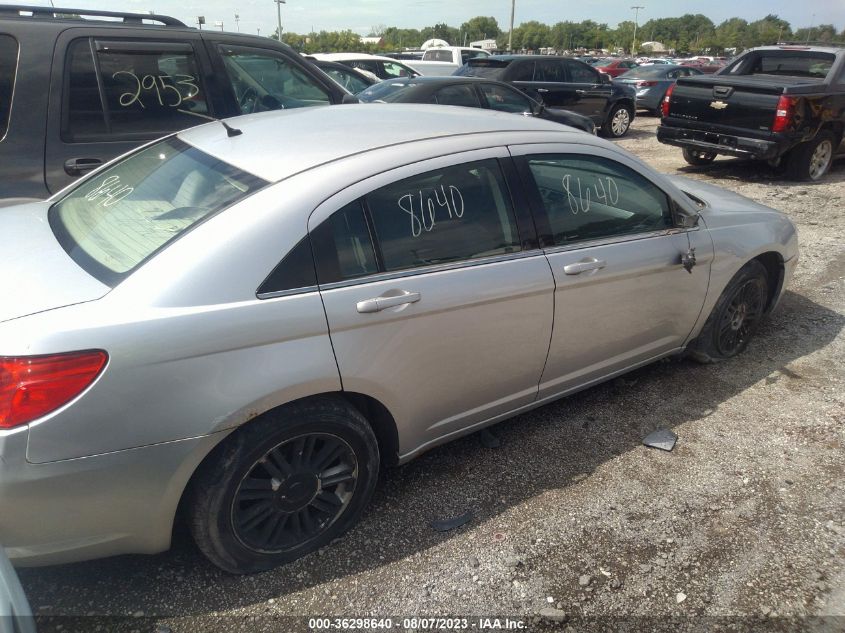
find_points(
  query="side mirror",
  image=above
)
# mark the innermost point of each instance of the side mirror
(349, 98)
(605, 78)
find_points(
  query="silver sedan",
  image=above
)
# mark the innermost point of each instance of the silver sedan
(250, 319)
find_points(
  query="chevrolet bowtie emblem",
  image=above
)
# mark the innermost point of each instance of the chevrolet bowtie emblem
(718, 105)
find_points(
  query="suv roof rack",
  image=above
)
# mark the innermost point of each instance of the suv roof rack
(811, 43)
(56, 13)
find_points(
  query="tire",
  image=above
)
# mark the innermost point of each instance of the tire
(284, 485)
(697, 157)
(618, 121)
(735, 316)
(812, 159)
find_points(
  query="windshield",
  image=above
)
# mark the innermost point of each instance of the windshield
(116, 219)
(483, 67)
(386, 91)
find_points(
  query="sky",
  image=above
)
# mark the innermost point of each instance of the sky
(303, 16)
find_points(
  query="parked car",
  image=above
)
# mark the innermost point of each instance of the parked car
(381, 67)
(445, 60)
(246, 321)
(561, 82)
(614, 67)
(652, 82)
(351, 79)
(77, 91)
(781, 104)
(472, 92)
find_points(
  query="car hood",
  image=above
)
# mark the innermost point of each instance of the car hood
(724, 207)
(37, 273)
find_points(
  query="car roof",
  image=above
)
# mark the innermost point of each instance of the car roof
(276, 145)
(337, 57)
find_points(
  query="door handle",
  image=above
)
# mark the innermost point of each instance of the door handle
(382, 303)
(542, 89)
(583, 266)
(78, 166)
(580, 92)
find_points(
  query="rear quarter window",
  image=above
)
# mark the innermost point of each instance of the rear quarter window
(8, 68)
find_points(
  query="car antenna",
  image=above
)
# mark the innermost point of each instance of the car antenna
(230, 131)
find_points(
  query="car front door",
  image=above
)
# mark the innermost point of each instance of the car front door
(548, 85)
(437, 303)
(110, 94)
(591, 92)
(623, 297)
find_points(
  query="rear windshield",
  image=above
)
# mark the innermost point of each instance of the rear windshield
(112, 222)
(789, 63)
(646, 71)
(8, 64)
(483, 67)
(385, 92)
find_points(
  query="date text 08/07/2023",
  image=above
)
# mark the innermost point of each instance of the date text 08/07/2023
(416, 623)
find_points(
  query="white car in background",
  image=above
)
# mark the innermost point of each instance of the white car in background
(381, 67)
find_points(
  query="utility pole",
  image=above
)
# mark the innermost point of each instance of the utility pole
(510, 33)
(200, 21)
(279, 4)
(238, 22)
(636, 20)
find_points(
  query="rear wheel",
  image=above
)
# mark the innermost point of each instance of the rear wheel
(811, 160)
(618, 122)
(284, 485)
(735, 317)
(697, 157)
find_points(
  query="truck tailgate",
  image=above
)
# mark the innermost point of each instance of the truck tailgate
(742, 102)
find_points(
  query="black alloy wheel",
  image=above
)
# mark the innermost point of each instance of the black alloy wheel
(294, 492)
(740, 317)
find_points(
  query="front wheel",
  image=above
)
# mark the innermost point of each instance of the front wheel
(697, 157)
(618, 122)
(735, 317)
(285, 485)
(811, 160)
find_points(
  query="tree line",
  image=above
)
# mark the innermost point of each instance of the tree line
(688, 34)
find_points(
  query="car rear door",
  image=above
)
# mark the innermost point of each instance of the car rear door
(15, 614)
(439, 304)
(591, 93)
(622, 296)
(112, 91)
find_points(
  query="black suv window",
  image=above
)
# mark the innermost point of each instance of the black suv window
(8, 67)
(580, 73)
(131, 89)
(450, 214)
(458, 96)
(266, 80)
(549, 70)
(588, 197)
(522, 71)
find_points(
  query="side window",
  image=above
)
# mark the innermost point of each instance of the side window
(266, 80)
(505, 99)
(458, 96)
(130, 89)
(549, 70)
(296, 270)
(451, 214)
(588, 197)
(393, 71)
(581, 73)
(441, 56)
(8, 68)
(342, 246)
(674, 74)
(524, 71)
(467, 55)
(367, 65)
(347, 79)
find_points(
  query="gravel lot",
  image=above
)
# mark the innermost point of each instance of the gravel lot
(741, 527)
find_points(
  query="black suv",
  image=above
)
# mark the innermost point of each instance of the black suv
(79, 87)
(562, 82)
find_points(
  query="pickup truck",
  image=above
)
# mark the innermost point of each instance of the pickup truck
(445, 60)
(783, 104)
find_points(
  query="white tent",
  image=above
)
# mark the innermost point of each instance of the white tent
(434, 43)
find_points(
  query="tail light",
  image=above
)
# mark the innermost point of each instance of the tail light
(33, 386)
(664, 107)
(783, 114)
(646, 84)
